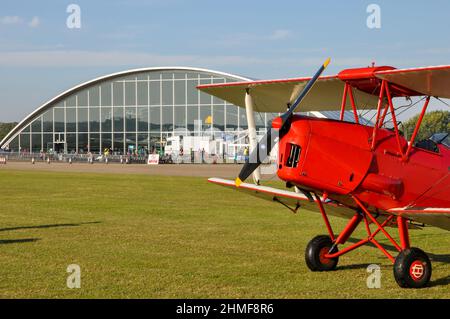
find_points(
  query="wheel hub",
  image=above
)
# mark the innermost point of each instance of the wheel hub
(417, 270)
(322, 254)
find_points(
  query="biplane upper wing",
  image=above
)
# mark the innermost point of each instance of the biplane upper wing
(288, 198)
(274, 95)
(433, 81)
(435, 216)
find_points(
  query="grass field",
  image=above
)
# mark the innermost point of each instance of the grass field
(140, 236)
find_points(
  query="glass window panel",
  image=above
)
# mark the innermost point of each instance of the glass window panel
(167, 75)
(167, 93)
(130, 93)
(118, 94)
(26, 129)
(59, 119)
(94, 142)
(260, 120)
(82, 98)
(82, 120)
(155, 93)
(205, 113)
(143, 142)
(155, 121)
(118, 119)
(179, 74)
(142, 93)
(192, 75)
(192, 115)
(204, 97)
(130, 119)
(94, 96)
(142, 115)
(106, 141)
(180, 92)
(71, 101)
(94, 119)
(71, 143)
(242, 119)
(106, 94)
(36, 126)
(192, 92)
(83, 143)
(142, 76)
(130, 142)
(14, 145)
(180, 117)
(155, 75)
(106, 119)
(232, 117)
(167, 118)
(154, 139)
(47, 142)
(36, 142)
(25, 142)
(219, 117)
(71, 119)
(118, 142)
(48, 121)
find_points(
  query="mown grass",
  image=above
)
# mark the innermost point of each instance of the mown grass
(176, 237)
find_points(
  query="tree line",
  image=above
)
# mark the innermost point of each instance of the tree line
(5, 128)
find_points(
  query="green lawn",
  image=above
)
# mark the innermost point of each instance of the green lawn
(176, 237)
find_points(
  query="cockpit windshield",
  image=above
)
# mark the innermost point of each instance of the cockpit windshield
(441, 138)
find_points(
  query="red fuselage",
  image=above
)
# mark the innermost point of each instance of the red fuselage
(336, 158)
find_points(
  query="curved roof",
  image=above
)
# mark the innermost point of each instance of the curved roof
(12, 134)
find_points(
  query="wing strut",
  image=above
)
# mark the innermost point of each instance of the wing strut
(251, 131)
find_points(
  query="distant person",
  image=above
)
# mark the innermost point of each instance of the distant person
(246, 154)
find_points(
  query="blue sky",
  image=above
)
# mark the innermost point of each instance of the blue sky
(40, 56)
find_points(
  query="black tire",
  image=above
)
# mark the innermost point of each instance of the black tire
(318, 246)
(412, 268)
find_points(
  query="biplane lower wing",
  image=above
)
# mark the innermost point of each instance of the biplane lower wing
(434, 216)
(291, 199)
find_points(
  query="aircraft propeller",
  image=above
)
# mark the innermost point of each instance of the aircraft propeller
(260, 153)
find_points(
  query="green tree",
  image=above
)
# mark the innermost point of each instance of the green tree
(433, 122)
(5, 128)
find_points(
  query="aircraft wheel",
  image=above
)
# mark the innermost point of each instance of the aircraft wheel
(412, 268)
(315, 251)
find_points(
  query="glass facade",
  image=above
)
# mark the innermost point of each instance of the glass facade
(134, 110)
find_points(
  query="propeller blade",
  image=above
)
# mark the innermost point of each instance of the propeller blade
(262, 151)
(304, 92)
(257, 156)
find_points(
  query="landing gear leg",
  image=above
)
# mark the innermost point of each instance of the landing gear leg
(412, 267)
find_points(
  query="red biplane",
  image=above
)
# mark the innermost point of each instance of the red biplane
(370, 174)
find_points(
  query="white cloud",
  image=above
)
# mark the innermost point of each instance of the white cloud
(34, 23)
(11, 20)
(280, 34)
